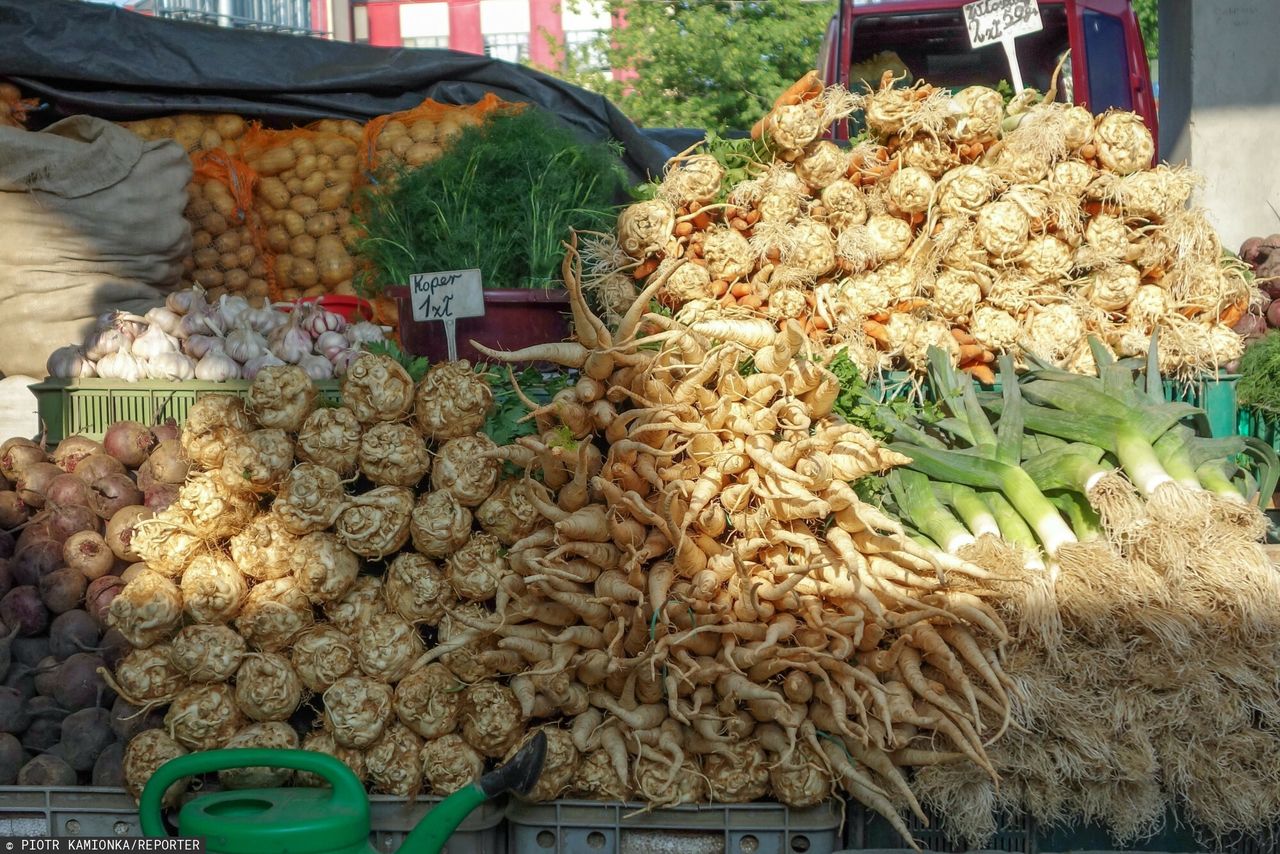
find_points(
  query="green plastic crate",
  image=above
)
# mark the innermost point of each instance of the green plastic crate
(87, 407)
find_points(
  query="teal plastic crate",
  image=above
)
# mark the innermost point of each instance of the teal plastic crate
(87, 407)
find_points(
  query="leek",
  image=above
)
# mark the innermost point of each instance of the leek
(918, 504)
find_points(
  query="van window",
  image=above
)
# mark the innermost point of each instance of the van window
(1108, 62)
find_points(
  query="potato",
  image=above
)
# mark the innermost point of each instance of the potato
(303, 145)
(304, 273)
(350, 234)
(258, 269)
(401, 145)
(236, 279)
(291, 293)
(284, 270)
(352, 129)
(188, 265)
(334, 197)
(307, 166)
(332, 261)
(338, 146)
(215, 294)
(422, 152)
(423, 130)
(294, 223)
(342, 216)
(326, 162)
(345, 288)
(328, 126)
(395, 127)
(315, 184)
(274, 193)
(207, 278)
(246, 255)
(214, 223)
(317, 291)
(228, 261)
(257, 288)
(347, 163)
(188, 136)
(207, 257)
(229, 125)
(228, 241)
(303, 246)
(294, 185)
(210, 139)
(163, 127)
(305, 206)
(275, 161)
(321, 224)
(198, 208)
(201, 239)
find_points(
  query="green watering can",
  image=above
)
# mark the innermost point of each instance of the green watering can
(313, 821)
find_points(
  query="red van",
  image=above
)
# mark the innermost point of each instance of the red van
(1107, 68)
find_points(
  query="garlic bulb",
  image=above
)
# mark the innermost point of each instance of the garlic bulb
(342, 361)
(243, 344)
(364, 332)
(120, 365)
(251, 367)
(153, 343)
(171, 366)
(164, 318)
(320, 321)
(317, 367)
(232, 308)
(330, 344)
(104, 342)
(265, 320)
(69, 363)
(182, 302)
(199, 346)
(290, 342)
(201, 320)
(217, 366)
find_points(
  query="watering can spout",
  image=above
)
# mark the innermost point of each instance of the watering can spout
(521, 773)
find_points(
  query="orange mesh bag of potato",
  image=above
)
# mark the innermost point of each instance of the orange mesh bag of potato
(227, 254)
(417, 136)
(195, 132)
(303, 202)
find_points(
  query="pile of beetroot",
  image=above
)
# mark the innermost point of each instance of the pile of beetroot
(1262, 254)
(67, 519)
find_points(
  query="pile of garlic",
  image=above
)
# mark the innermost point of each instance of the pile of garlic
(189, 338)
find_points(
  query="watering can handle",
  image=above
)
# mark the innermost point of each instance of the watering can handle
(347, 788)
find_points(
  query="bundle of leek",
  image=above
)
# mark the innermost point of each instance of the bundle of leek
(1074, 464)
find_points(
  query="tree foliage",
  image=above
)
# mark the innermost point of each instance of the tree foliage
(700, 63)
(1149, 21)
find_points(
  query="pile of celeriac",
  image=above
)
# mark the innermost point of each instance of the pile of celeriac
(956, 222)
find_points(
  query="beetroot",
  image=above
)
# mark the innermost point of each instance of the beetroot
(133, 570)
(85, 734)
(67, 490)
(71, 632)
(13, 510)
(113, 647)
(119, 534)
(13, 710)
(6, 653)
(47, 676)
(35, 560)
(12, 758)
(34, 482)
(63, 589)
(111, 494)
(6, 577)
(72, 450)
(143, 476)
(65, 521)
(17, 454)
(127, 720)
(166, 431)
(88, 553)
(168, 463)
(46, 772)
(7, 544)
(99, 594)
(159, 496)
(29, 651)
(129, 442)
(97, 466)
(22, 607)
(43, 732)
(80, 685)
(108, 771)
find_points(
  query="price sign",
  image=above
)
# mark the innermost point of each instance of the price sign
(991, 21)
(446, 297)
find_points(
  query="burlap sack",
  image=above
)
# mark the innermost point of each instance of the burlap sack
(90, 221)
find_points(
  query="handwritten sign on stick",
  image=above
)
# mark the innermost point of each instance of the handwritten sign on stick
(446, 297)
(991, 21)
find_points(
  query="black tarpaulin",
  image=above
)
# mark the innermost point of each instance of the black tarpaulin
(97, 59)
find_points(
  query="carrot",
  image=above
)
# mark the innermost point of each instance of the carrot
(702, 220)
(971, 353)
(806, 88)
(1088, 151)
(876, 332)
(644, 268)
(911, 305)
(739, 224)
(1233, 313)
(751, 301)
(742, 289)
(727, 299)
(981, 373)
(684, 229)
(962, 337)
(719, 288)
